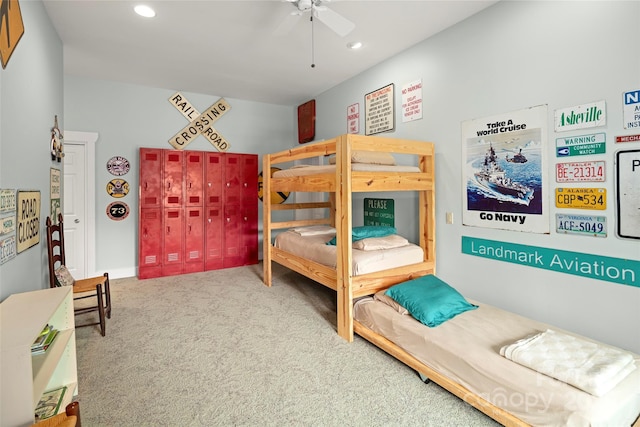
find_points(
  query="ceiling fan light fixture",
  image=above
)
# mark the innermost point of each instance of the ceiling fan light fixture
(354, 45)
(144, 10)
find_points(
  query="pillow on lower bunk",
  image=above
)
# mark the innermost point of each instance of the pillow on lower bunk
(371, 157)
(380, 296)
(430, 300)
(365, 231)
(377, 243)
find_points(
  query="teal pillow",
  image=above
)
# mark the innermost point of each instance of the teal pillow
(430, 300)
(365, 231)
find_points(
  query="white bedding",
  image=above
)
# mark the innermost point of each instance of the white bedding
(314, 248)
(301, 170)
(584, 364)
(466, 350)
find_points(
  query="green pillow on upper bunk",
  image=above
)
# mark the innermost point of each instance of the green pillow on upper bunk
(366, 231)
(430, 300)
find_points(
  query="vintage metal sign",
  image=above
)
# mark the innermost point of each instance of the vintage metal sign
(631, 105)
(28, 220)
(118, 166)
(628, 193)
(581, 145)
(7, 200)
(118, 211)
(628, 138)
(7, 249)
(200, 124)
(580, 172)
(118, 188)
(581, 116)
(7, 225)
(379, 212)
(586, 225)
(581, 198)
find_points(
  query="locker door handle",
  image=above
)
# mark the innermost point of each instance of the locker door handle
(246, 185)
(228, 219)
(168, 185)
(245, 218)
(168, 230)
(228, 184)
(145, 185)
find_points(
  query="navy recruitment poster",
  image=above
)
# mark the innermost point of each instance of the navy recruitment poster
(503, 159)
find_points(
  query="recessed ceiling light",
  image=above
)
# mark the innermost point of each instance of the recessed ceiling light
(354, 45)
(145, 11)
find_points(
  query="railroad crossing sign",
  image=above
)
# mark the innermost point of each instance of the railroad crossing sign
(199, 124)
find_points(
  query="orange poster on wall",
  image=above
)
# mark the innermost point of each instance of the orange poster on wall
(11, 28)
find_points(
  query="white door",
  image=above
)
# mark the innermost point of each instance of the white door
(79, 196)
(75, 224)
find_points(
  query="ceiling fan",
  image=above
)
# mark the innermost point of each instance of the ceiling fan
(317, 9)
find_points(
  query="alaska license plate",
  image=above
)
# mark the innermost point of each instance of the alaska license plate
(580, 172)
(586, 225)
(581, 198)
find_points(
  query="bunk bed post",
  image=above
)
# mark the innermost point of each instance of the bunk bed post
(427, 210)
(266, 219)
(343, 238)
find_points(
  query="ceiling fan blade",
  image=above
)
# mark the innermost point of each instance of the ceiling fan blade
(338, 23)
(287, 24)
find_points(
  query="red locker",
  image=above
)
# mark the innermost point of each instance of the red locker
(150, 243)
(172, 178)
(173, 240)
(193, 240)
(194, 165)
(150, 177)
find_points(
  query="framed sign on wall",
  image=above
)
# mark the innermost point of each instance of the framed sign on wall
(307, 121)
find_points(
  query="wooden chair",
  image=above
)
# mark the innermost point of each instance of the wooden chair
(93, 287)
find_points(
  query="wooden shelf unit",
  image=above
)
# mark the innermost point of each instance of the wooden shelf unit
(24, 378)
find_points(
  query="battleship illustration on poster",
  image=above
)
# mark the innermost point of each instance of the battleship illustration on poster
(503, 174)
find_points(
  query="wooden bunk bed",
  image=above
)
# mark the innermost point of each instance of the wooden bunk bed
(340, 184)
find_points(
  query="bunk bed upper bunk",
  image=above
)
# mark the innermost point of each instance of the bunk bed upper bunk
(341, 182)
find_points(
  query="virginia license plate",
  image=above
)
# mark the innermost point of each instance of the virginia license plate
(582, 224)
(582, 198)
(580, 172)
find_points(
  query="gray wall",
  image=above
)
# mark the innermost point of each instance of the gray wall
(513, 56)
(31, 89)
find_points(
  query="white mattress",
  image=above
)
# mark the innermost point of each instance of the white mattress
(466, 350)
(315, 249)
(302, 170)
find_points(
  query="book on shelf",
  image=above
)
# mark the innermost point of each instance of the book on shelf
(44, 341)
(49, 403)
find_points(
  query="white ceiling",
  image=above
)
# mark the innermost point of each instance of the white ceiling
(237, 49)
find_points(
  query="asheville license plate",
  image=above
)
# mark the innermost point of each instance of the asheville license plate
(582, 198)
(580, 171)
(582, 224)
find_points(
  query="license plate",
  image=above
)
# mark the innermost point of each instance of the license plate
(580, 172)
(7, 249)
(585, 225)
(7, 200)
(582, 198)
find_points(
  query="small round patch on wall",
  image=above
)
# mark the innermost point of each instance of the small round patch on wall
(118, 166)
(118, 188)
(118, 211)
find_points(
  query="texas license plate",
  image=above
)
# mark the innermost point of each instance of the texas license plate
(580, 171)
(586, 225)
(581, 198)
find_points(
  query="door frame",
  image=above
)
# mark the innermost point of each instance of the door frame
(88, 139)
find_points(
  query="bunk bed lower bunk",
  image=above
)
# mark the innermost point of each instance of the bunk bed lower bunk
(360, 166)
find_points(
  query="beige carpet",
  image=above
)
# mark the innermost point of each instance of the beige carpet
(221, 349)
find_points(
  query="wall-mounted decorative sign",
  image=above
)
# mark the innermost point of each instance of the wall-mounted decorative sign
(11, 29)
(628, 193)
(379, 212)
(628, 138)
(412, 101)
(581, 145)
(118, 166)
(7, 225)
(118, 211)
(631, 106)
(276, 197)
(581, 116)
(379, 111)
(353, 118)
(580, 172)
(118, 188)
(307, 121)
(55, 184)
(583, 225)
(200, 124)
(28, 220)
(581, 198)
(504, 172)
